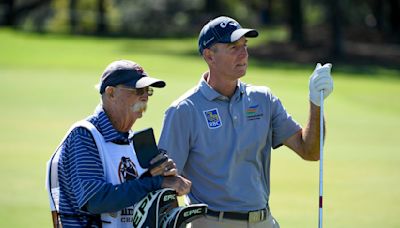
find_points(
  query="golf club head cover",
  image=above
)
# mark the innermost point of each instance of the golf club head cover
(148, 211)
(160, 209)
(180, 216)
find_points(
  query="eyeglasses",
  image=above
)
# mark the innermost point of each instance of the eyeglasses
(139, 91)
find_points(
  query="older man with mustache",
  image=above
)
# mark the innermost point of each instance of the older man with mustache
(99, 176)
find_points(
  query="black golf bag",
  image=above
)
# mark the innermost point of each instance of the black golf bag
(159, 209)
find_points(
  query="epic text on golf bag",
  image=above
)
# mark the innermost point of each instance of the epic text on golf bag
(159, 209)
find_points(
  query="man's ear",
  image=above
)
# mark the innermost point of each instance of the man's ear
(109, 91)
(208, 55)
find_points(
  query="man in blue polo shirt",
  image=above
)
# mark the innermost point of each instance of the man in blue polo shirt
(98, 170)
(220, 133)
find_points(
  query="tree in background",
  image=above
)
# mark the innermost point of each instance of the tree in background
(8, 13)
(335, 15)
(81, 9)
(17, 12)
(325, 29)
(295, 19)
(395, 18)
(101, 17)
(73, 16)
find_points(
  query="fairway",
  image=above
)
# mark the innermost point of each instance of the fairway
(47, 83)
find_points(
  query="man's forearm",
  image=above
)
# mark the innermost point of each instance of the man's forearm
(311, 134)
(111, 198)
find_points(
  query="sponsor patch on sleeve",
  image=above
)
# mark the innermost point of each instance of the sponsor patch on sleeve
(213, 119)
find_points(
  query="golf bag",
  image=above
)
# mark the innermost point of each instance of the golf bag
(159, 209)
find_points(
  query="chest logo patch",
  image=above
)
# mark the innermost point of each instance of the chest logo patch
(252, 113)
(213, 119)
(127, 170)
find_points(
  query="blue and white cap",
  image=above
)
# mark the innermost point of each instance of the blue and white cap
(222, 30)
(127, 73)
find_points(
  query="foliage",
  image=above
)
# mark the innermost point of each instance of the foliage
(152, 18)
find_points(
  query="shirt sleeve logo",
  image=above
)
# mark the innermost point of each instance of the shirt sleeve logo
(213, 119)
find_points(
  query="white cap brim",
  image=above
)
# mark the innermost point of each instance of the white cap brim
(237, 34)
(148, 81)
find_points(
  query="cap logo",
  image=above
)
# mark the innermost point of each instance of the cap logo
(223, 24)
(205, 43)
(139, 69)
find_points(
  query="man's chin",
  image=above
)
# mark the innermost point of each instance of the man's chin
(138, 114)
(241, 72)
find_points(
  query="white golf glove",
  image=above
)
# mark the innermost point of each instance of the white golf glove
(320, 79)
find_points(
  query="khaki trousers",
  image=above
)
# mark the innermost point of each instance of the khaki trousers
(214, 222)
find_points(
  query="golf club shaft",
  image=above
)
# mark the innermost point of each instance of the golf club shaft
(321, 157)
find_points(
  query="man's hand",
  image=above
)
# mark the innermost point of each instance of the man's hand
(180, 184)
(320, 79)
(167, 168)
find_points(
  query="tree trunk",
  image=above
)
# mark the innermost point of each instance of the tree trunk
(296, 22)
(9, 17)
(336, 30)
(266, 12)
(378, 10)
(73, 16)
(45, 13)
(395, 18)
(101, 18)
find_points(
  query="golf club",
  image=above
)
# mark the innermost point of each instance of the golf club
(321, 157)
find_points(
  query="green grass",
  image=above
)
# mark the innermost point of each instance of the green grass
(47, 83)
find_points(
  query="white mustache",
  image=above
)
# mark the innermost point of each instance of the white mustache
(139, 107)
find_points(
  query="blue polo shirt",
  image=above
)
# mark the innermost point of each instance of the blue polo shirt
(82, 180)
(224, 145)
